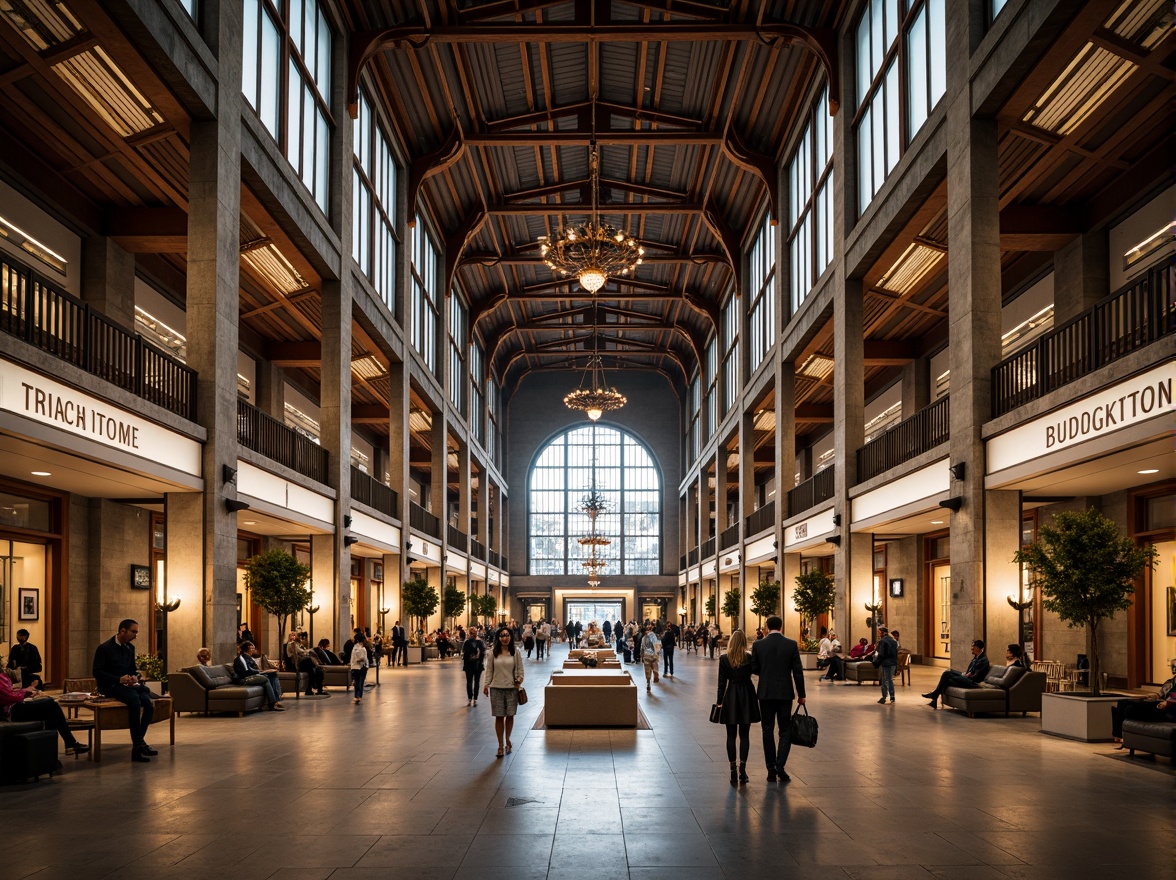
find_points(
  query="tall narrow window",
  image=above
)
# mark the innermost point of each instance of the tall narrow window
(730, 322)
(457, 368)
(492, 437)
(810, 202)
(895, 51)
(286, 78)
(374, 240)
(477, 403)
(626, 476)
(693, 408)
(762, 281)
(425, 310)
(712, 388)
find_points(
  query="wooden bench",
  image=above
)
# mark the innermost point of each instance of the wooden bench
(110, 714)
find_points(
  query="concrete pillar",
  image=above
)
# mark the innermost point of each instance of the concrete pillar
(848, 437)
(184, 570)
(1082, 275)
(1002, 576)
(484, 509)
(747, 496)
(439, 469)
(860, 585)
(270, 393)
(335, 421)
(916, 386)
(464, 495)
(334, 609)
(804, 464)
(789, 571)
(718, 498)
(692, 515)
(108, 280)
(974, 305)
(214, 230)
(785, 450)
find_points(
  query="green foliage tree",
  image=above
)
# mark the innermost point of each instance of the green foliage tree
(489, 609)
(453, 602)
(814, 595)
(1086, 571)
(277, 582)
(419, 600)
(709, 607)
(731, 606)
(765, 600)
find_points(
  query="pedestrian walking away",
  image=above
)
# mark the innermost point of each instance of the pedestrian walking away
(776, 660)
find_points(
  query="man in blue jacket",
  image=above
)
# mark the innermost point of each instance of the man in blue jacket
(977, 671)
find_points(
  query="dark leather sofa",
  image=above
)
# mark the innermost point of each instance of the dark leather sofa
(1006, 689)
(212, 689)
(27, 751)
(1157, 737)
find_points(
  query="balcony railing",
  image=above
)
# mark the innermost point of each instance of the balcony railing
(267, 436)
(729, 537)
(423, 521)
(45, 316)
(497, 559)
(692, 557)
(810, 493)
(477, 549)
(457, 539)
(925, 430)
(682, 563)
(762, 518)
(708, 549)
(366, 489)
(1129, 319)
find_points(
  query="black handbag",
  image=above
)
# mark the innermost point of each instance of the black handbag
(715, 713)
(802, 730)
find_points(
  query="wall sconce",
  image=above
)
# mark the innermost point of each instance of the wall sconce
(348, 540)
(234, 506)
(168, 606)
(835, 540)
(347, 520)
(408, 546)
(958, 470)
(228, 474)
(953, 504)
(837, 519)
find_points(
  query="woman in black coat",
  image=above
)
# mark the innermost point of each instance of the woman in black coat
(739, 708)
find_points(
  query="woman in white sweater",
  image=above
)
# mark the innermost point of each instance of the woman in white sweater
(504, 674)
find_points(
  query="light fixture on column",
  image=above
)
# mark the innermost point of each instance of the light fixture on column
(952, 504)
(349, 540)
(958, 470)
(228, 474)
(835, 540)
(234, 505)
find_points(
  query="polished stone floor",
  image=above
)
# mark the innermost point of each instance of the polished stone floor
(407, 785)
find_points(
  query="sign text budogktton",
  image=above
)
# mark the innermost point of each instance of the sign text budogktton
(1107, 416)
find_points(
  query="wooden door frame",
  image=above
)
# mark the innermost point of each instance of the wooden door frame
(930, 636)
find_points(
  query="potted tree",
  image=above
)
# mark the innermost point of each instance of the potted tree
(731, 607)
(765, 600)
(453, 603)
(709, 607)
(277, 582)
(1085, 569)
(419, 601)
(814, 595)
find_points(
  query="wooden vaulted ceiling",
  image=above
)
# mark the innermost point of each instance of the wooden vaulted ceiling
(689, 103)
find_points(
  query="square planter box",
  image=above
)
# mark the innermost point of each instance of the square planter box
(415, 654)
(1073, 716)
(808, 659)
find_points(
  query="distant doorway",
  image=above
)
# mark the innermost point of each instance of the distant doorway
(599, 610)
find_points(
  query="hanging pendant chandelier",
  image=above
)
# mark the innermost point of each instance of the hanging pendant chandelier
(595, 396)
(591, 252)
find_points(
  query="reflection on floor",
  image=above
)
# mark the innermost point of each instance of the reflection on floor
(407, 784)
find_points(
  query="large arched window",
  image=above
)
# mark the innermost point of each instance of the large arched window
(624, 473)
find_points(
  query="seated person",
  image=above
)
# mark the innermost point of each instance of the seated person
(117, 675)
(25, 659)
(834, 659)
(325, 655)
(976, 672)
(1014, 656)
(444, 645)
(16, 705)
(1158, 707)
(862, 650)
(247, 672)
(302, 660)
(204, 657)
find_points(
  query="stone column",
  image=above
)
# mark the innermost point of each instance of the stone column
(1002, 576)
(439, 470)
(335, 420)
(334, 608)
(1082, 275)
(718, 497)
(785, 453)
(108, 280)
(184, 572)
(214, 230)
(484, 509)
(464, 496)
(692, 518)
(974, 304)
(916, 386)
(270, 394)
(789, 570)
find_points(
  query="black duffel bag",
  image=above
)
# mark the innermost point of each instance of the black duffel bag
(802, 730)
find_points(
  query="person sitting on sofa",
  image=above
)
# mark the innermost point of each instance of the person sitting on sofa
(976, 672)
(862, 650)
(302, 660)
(247, 671)
(204, 657)
(15, 706)
(25, 660)
(1014, 656)
(1156, 708)
(325, 655)
(836, 663)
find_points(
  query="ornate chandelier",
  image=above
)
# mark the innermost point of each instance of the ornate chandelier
(591, 252)
(595, 396)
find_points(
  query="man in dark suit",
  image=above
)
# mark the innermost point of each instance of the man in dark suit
(776, 660)
(399, 646)
(118, 677)
(247, 672)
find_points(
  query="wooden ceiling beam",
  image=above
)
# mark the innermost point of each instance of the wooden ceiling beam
(888, 352)
(304, 353)
(820, 413)
(532, 210)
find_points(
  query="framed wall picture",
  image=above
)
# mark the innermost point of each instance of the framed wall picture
(140, 577)
(29, 600)
(1172, 611)
(896, 588)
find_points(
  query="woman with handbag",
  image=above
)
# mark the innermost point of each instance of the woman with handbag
(737, 703)
(504, 675)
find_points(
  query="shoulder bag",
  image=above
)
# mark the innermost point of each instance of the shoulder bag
(802, 730)
(716, 713)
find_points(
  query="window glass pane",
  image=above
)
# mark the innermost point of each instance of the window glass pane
(249, 50)
(270, 68)
(917, 73)
(878, 137)
(891, 22)
(893, 124)
(863, 58)
(865, 163)
(323, 69)
(937, 38)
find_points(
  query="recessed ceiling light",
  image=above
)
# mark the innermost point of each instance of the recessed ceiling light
(41, 474)
(249, 522)
(1150, 471)
(936, 522)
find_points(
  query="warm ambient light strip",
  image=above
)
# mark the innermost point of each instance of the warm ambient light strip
(31, 246)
